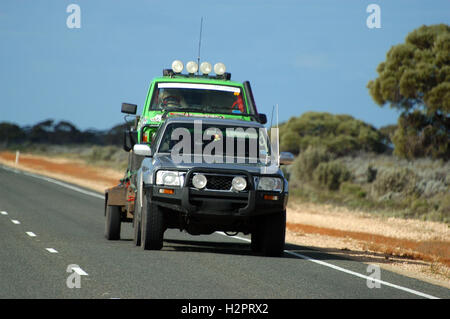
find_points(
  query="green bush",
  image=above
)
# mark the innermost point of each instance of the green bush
(396, 181)
(307, 161)
(339, 134)
(353, 190)
(331, 174)
(371, 174)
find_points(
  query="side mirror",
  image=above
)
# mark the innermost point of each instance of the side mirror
(129, 108)
(142, 150)
(262, 118)
(286, 158)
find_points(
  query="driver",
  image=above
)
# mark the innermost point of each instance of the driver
(172, 98)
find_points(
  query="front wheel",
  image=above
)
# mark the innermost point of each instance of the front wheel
(152, 225)
(269, 236)
(113, 222)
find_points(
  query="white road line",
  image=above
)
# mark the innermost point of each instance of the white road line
(418, 293)
(51, 250)
(415, 292)
(54, 181)
(4, 213)
(31, 234)
(14, 221)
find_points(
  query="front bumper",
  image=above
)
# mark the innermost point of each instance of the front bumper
(192, 201)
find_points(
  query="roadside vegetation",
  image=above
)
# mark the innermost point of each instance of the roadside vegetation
(399, 170)
(378, 183)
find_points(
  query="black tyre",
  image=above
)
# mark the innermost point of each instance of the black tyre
(137, 229)
(256, 239)
(152, 225)
(113, 222)
(137, 222)
(272, 234)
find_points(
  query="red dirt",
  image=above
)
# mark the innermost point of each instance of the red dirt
(71, 169)
(421, 250)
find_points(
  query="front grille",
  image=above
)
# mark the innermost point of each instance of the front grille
(219, 182)
(216, 182)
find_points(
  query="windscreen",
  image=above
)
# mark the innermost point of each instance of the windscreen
(195, 96)
(242, 144)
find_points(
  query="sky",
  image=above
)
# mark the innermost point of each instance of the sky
(302, 55)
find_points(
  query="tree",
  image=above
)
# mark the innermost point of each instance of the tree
(415, 79)
(11, 133)
(339, 134)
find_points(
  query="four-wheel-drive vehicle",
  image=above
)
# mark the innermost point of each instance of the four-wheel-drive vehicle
(200, 184)
(199, 97)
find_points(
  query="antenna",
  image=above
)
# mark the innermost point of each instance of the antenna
(199, 44)
(278, 138)
(271, 116)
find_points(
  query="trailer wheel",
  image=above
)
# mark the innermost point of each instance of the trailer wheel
(112, 225)
(152, 224)
(273, 232)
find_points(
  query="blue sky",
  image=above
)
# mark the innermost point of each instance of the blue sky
(302, 55)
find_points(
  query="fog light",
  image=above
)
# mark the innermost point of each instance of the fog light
(191, 67)
(206, 68)
(219, 68)
(239, 183)
(177, 66)
(199, 181)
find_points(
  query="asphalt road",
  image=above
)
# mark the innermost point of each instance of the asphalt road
(47, 226)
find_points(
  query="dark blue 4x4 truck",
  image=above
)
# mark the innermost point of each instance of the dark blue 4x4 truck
(192, 179)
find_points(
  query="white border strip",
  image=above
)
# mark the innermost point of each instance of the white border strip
(418, 293)
(170, 85)
(54, 181)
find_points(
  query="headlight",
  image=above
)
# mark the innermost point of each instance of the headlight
(169, 178)
(199, 181)
(239, 183)
(274, 184)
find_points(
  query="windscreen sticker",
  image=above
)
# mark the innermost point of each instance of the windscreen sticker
(199, 87)
(156, 118)
(195, 115)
